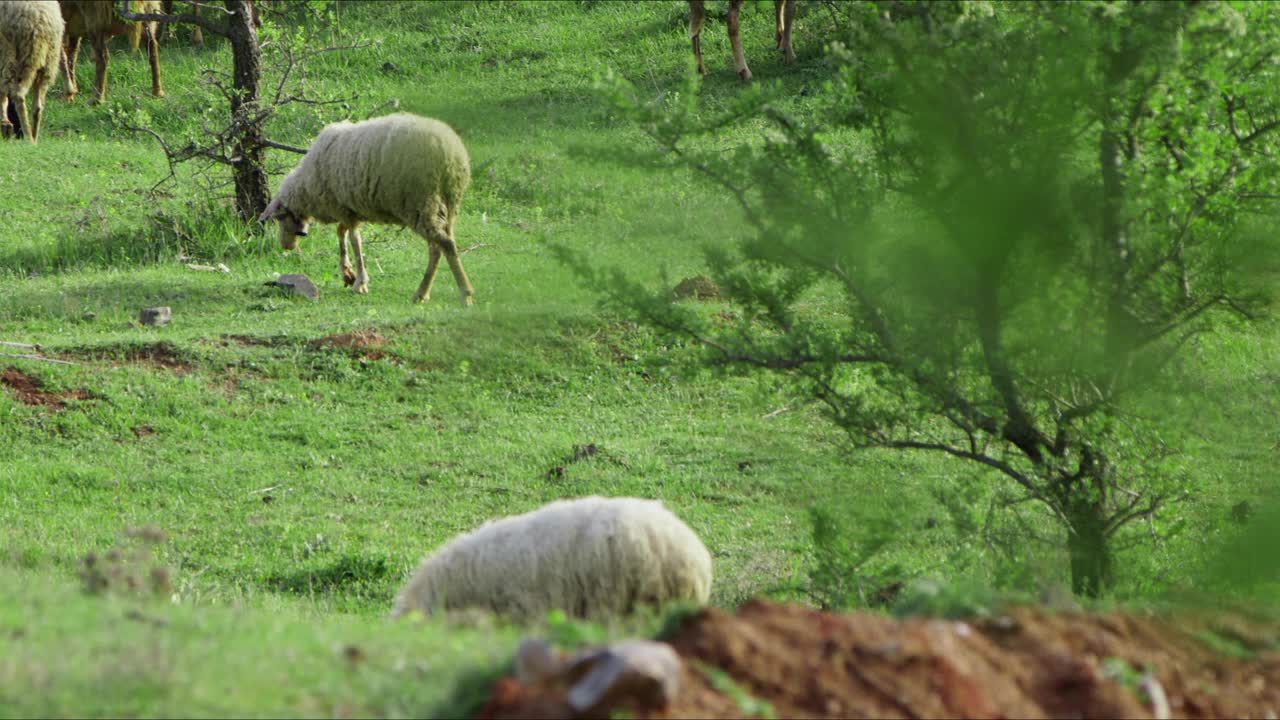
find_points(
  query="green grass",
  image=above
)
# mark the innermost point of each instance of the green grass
(299, 486)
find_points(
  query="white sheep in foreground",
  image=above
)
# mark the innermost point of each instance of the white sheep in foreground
(591, 557)
(30, 46)
(402, 169)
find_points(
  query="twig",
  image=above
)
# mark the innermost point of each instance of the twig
(20, 345)
(38, 358)
(267, 489)
(466, 250)
(773, 413)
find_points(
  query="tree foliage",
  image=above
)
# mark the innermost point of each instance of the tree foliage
(1030, 212)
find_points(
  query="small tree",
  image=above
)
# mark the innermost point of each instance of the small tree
(242, 143)
(1028, 213)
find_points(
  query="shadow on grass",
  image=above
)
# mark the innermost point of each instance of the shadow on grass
(202, 234)
(347, 575)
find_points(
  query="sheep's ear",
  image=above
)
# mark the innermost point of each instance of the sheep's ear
(272, 207)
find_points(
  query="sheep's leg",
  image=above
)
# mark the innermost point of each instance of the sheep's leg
(424, 289)
(20, 104)
(459, 275)
(697, 13)
(197, 35)
(103, 57)
(153, 53)
(41, 86)
(70, 51)
(735, 39)
(6, 126)
(362, 277)
(344, 263)
(786, 11)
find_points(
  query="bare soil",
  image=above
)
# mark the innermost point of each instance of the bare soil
(159, 354)
(365, 343)
(1027, 663)
(29, 390)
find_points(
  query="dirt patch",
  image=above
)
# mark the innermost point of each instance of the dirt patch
(161, 354)
(254, 341)
(356, 340)
(789, 661)
(29, 390)
(700, 287)
(365, 343)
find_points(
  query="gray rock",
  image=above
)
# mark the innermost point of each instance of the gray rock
(297, 284)
(155, 315)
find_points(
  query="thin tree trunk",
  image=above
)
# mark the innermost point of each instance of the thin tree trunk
(252, 190)
(1089, 547)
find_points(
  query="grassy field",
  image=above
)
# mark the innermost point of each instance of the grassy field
(298, 483)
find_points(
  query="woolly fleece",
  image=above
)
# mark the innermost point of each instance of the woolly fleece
(393, 169)
(30, 47)
(591, 557)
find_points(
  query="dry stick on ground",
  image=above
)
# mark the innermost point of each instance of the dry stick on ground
(38, 358)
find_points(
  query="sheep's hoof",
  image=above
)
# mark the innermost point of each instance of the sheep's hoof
(467, 301)
(348, 277)
(360, 289)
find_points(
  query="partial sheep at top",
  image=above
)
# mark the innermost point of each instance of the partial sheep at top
(97, 20)
(30, 45)
(592, 557)
(402, 169)
(784, 11)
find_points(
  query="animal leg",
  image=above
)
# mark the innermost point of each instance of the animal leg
(786, 11)
(103, 57)
(697, 13)
(70, 51)
(197, 35)
(344, 263)
(735, 39)
(20, 104)
(362, 278)
(153, 53)
(436, 226)
(424, 289)
(41, 86)
(459, 275)
(6, 125)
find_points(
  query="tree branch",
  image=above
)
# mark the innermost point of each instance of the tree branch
(282, 146)
(189, 18)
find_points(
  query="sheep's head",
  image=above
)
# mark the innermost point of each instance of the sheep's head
(292, 225)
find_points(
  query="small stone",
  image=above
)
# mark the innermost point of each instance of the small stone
(697, 288)
(297, 284)
(155, 315)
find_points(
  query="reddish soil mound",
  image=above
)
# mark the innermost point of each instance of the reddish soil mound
(29, 390)
(362, 342)
(356, 340)
(1028, 663)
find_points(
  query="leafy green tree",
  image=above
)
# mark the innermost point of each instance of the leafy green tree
(1029, 213)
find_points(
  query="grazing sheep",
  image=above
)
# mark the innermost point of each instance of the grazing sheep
(97, 20)
(591, 557)
(402, 169)
(784, 11)
(30, 44)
